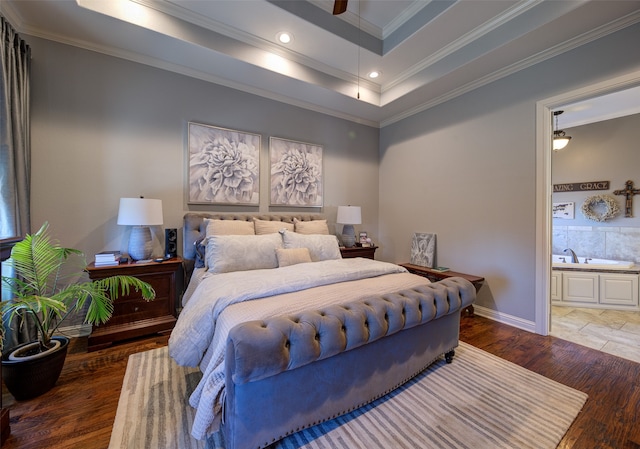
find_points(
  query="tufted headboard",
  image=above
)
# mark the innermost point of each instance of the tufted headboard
(193, 229)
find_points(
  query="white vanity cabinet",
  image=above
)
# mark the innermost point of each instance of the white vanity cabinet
(604, 290)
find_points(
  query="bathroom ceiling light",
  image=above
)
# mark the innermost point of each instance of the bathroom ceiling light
(284, 37)
(560, 139)
(374, 74)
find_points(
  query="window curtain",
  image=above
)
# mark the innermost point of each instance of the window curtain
(15, 154)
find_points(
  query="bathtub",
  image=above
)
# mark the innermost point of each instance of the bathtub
(592, 264)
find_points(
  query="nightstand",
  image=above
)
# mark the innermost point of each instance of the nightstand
(358, 251)
(439, 275)
(132, 315)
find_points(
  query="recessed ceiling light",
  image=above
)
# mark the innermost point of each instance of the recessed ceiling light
(374, 74)
(284, 37)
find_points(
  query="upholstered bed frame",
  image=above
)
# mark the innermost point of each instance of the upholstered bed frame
(287, 373)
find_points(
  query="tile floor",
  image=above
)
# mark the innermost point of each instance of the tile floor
(612, 331)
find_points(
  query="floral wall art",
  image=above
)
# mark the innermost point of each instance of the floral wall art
(224, 166)
(296, 173)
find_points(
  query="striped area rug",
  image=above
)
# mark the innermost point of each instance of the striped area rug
(479, 401)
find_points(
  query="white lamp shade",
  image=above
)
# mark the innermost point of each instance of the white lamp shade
(349, 215)
(140, 212)
(560, 142)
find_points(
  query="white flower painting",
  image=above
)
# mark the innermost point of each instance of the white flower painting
(423, 249)
(224, 166)
(296, 173)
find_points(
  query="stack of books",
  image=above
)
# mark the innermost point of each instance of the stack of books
(107, 258)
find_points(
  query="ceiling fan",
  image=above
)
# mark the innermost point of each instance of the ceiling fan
(339, 6)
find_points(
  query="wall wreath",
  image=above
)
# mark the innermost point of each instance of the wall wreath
(609, 203)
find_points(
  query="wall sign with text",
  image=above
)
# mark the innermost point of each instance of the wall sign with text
(581, 186)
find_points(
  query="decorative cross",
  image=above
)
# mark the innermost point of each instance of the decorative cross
(629, 191)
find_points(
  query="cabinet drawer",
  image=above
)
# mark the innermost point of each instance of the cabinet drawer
(129, 311)
(132, 307)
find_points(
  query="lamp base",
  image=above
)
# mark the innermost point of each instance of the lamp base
(348, 236)
(140, 243)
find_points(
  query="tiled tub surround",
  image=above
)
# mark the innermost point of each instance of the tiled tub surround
(598, 242)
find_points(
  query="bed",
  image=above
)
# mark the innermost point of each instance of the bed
(288, 334)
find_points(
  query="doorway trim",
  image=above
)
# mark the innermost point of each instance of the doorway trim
(544, 191)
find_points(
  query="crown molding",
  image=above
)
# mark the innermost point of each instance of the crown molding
(571, 44)
(460, 43)
(403, 17)
(198, 74)
(179, 13)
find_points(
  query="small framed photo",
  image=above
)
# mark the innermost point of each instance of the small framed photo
(364, 240)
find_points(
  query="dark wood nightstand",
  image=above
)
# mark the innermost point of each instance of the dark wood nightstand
(133, 316)
(439, 275)
(358, 251)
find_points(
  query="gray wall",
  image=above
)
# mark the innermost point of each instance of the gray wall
(603, 151)
(105, 128)
(465, 170)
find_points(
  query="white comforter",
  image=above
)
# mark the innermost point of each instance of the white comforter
(222, 300)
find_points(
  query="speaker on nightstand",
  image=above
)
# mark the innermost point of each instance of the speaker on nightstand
(170, 243)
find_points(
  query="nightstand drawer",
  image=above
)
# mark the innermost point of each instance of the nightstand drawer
(367, 252)
(133, 306)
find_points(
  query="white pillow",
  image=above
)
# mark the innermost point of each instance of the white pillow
(321, 247)
(226, 253)
(292, 256)
(228, 227)
(270, 226)
(311, 227)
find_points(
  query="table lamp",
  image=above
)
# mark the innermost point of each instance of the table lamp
(140, 213)
(348, 216)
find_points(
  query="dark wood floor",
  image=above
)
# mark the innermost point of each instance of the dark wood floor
(79, 411)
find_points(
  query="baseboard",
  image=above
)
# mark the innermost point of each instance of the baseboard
(75, 331)
(511, 320)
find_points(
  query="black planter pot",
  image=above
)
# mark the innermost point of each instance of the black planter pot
(27, 379)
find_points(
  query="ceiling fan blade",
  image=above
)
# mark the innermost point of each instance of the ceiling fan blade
(339, 7)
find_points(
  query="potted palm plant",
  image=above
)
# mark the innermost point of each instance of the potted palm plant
(46, 290)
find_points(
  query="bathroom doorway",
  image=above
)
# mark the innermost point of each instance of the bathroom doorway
(570, 322)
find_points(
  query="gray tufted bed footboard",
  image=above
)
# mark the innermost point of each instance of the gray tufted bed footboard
(288, 373)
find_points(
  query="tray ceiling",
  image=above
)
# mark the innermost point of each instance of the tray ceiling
(426, 51)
